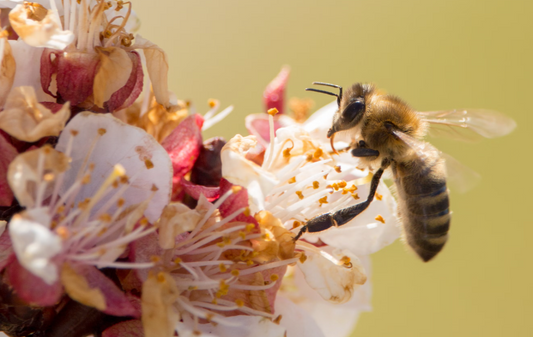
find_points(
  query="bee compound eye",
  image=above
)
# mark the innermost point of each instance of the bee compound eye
(353, 111)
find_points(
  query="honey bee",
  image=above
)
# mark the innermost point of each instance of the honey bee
(390, 136)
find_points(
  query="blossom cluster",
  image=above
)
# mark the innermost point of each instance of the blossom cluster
(113, 208)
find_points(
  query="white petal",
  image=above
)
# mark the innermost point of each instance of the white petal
(365, 235)
(327, 275)
(246, 326)
(35, 246)
(295, 319)
(121, 144)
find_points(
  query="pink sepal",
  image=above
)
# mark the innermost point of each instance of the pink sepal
(31, 288)
(211, 193)
(274, 94)
(183, 146)
(117, 304)
(125, 96)
(234, 202)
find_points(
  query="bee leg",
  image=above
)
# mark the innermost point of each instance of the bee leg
(343, 216)
(363, 151)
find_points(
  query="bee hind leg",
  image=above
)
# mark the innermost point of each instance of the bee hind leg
(345, 215)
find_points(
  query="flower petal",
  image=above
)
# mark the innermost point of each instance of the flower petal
(158, 314)
(125, 96)
(175, 220)
(78, 289)
(31, 288)
(39, 27)
(75, 74)
(7, 69)
(132, 328)
(297, 321)
(211, 193)
(157, 65)
(28, 72)
(330, 277)
(116, 302)
(113, 73)
(258, 125)
(25, 119)
(8, 154)
(183, 146)
(105, 141)
(274, 95)
(35, 246)
(243, 326)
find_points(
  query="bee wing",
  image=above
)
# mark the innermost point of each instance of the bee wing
(468, 125)
(459, 176)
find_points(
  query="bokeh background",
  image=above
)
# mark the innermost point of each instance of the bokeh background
(435, 55)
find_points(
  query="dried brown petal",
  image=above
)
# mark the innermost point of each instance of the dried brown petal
(77, 287)
(7, 69)
(158, 314)
(114, 71)
(25, 119)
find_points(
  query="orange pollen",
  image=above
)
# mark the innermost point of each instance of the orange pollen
(342, 184)
(106, 217)
(154, 188)
(236, 189)
(318, 153)
(335, 186)
(144, 222)
(300, 194)
(309, 157)
(161, 277)
(239, 302)
(274, 277)
(379, 196)
(235, 272)
(222, 267)
(250, 227)
(74, 132)
(86, 179)
(63, 232)
(115, 184)
(292, 180)
(272, 112)
(102, 131)
(323, 200)
(277, 320)
(246, 211)
(148, 163)
(355, 196)
(120, 202)
(345, 260)
(326, 176)
(83, 204)
(124, 179)
(287, 152)
(338, 169)
(303, 257)
(155, 258)
(316, 185)
(380, 219)
(296, 224)
(212, 103)
(177, 260)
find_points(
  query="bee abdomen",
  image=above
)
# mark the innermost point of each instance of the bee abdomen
(424, 210)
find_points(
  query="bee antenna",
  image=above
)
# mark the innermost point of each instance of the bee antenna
(339, 96)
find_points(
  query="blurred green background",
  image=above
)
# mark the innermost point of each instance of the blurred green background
(433, 54)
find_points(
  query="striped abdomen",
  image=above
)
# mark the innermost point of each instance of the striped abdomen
(423, 204)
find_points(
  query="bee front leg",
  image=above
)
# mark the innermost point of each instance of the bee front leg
(363, 151)
(345, 215)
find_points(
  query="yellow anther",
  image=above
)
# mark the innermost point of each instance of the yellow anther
(115, 184)
(144, 222)
(178, 260)
(74, 132)
(161, 277)
(274, 277)
(102, 231)
(246, 211)
(302, 258)
(316, 185)
(62, 232)
(239, 302)
(342, 184)
(106, 217)
(83, 204)
(154, 188)
(323, 200)
(220, 244)
(48, 177)
(86, 179)
(287, 152)
(191, 288)
(124, 179)
(60, 209)
(318, 153)
(235, 272)
(355, 196)
(309, 157)
(292, 180)
(250, 262)
(300, 194)
(335, 186)
(380, 219)
(378, 196)
(102, 131)
(222, 267)
(338, 169)
(296, 224)
(120, 202)
(242, 235)
(345, 260)
(250, 227)
(236, 189)
(326, 176)
(277, 320)
(149, 164)
(214, 301)
(212, 103)
(272, 112)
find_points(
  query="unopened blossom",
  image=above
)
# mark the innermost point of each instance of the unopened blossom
(85, 201)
